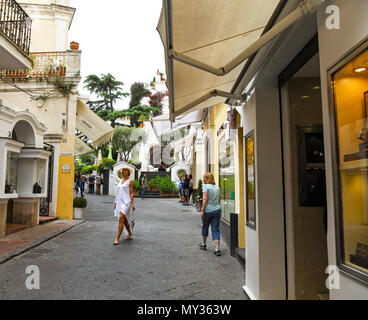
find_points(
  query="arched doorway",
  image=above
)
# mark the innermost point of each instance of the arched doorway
(23, 132)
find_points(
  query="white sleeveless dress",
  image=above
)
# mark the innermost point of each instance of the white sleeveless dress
(123, 202)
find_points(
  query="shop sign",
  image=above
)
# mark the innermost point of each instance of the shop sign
(66, 168)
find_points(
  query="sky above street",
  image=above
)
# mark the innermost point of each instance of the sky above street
(119, 37)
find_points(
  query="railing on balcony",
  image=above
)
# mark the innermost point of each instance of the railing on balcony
(15, 24)
(48, 64)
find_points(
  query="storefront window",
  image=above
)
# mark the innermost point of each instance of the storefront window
(11, 173)
(250, 182)
(41, 176)
(227, 177)
(350, 93)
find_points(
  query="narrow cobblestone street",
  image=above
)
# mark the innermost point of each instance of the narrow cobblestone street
(163, 262)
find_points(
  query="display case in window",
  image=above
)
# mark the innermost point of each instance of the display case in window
(349, 87)
(32, 173)
(251, 209)
(9, 156)
(227, 176)
(11, 174)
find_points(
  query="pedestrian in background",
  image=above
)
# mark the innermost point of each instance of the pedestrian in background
(186, 190)
(181, 189)
(78, 184)
(191, 184)
(92, 184)
(144, 185)
(98, 185)
(211, 212)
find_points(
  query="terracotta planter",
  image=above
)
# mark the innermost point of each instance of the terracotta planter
(174, 195)
(154, 189)
(74, 45)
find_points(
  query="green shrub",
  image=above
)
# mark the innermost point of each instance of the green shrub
(137, 186)
(80, 203)
(198, 196)
(89, 169)
(106, 164)
(167, 186)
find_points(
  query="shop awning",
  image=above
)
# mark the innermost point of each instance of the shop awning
(207, 43)
(185, 142)
(92, 126)
(81, 147)
(163, 125)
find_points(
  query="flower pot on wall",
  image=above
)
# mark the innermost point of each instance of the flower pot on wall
(74, 45)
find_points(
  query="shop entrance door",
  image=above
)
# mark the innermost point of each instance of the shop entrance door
(305, 191)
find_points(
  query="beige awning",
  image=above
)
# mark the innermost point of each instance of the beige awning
(92, 126)
(162, 124)
(81, 147)
(212, 32)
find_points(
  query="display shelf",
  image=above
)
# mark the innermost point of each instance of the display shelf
(355, 164)
(9, 156)
(33, 166)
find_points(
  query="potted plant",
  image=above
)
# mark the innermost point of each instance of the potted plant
(78, 208)
(74, 45)
(153, 184)
(142, 118)
(137, 188)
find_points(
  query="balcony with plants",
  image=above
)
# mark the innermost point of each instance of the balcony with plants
(48, 65)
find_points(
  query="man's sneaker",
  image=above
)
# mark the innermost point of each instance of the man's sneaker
(203, 246)
(217, 253)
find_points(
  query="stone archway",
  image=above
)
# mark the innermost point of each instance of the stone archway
(23, 132)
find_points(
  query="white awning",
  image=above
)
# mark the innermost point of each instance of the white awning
(185, 142)
(92, 126)
(207, 43)
(163, 125)
(213, 32)
(81, 147)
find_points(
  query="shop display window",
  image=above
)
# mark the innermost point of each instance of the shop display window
(349, 86)
(40, 181)
(250, 182)
(227, 177)
(11, 173)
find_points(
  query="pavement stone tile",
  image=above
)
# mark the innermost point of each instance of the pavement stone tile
(162, 263)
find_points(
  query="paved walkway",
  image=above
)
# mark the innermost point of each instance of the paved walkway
(163, 262)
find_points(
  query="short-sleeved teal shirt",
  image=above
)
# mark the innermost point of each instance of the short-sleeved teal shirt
(213, 197)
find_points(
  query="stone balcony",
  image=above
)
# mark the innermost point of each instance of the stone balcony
(49, 64)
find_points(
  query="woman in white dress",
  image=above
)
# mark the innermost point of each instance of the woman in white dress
(124, 201)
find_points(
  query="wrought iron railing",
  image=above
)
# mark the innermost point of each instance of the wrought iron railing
(15, 24)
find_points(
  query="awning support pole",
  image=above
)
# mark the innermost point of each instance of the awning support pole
(305, 7)
(211, 94)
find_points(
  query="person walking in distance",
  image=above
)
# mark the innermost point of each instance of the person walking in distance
(181, 190)
(211, 212)
(191, 184)
(186, 190)
(124, 202)
(144, 185)
(92, 183)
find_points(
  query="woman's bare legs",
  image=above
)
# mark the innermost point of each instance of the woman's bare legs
(123, 221)
(127, 226)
